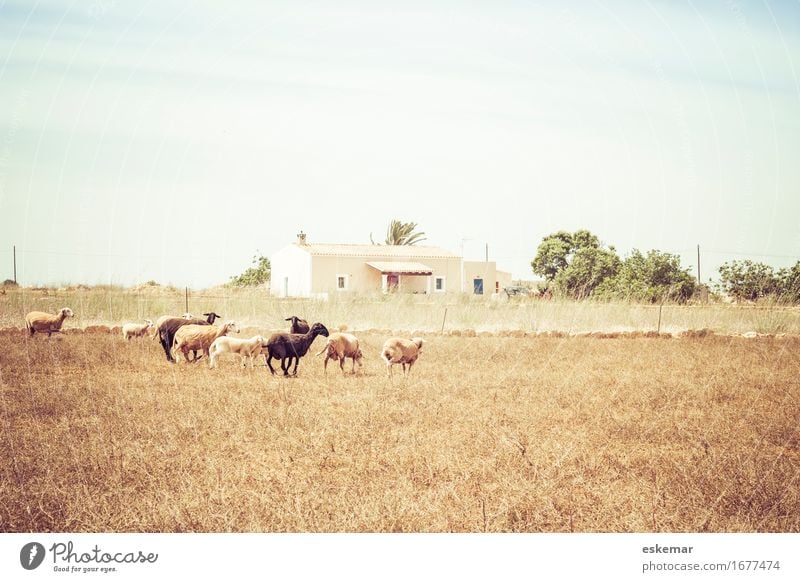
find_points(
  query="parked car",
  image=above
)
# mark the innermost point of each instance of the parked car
(518, 290)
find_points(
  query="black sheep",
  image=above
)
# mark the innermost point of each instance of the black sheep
(166, 331)
(288, 346)
(298, 325)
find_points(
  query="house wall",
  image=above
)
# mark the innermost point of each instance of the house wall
(290, 267)
(504, 279)
(480, 270)
(363, 278)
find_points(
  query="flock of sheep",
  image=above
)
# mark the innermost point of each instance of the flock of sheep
(189, 334)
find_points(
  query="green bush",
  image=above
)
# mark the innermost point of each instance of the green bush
(258, 274)
(654, 277)
(748, 280)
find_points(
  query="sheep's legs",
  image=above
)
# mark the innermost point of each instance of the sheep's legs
(268, 360)
(166, 341)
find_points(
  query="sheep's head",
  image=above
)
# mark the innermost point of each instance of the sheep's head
(211, 317)
(359, 357)
(260, 339)
(418, 341)
(230, 327)
(148, 322)
(67, 312)
(319, 329)
(299, 325)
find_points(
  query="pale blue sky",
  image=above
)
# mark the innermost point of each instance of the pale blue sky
(170, 141)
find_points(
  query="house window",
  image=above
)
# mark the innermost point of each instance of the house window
(342, 282)
(438, 284)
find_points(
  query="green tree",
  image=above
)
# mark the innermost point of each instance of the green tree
(790, 283)
(575, 262)
(748, 280)
(402, 233)
(652, 277)
(589, 267)
(256, 275)
(553, 254)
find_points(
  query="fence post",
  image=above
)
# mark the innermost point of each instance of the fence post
(187, 300)
(658, 329)
(444, 318)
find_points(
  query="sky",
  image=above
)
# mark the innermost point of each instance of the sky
(172, 141)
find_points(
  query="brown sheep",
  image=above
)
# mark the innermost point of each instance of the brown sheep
(45, 322)
(340, 346)
(199, 337)
(401, 351)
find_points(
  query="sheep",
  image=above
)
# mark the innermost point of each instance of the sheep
(130, 330)
(401, 351)
(45, 322)
(298, 325)
(340, 346)
(168, 325)
(246, 348)
(199, 337)
(288, 346)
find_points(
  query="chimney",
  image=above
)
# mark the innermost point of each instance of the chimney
(301, 238)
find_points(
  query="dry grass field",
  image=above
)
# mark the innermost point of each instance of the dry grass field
(496, 434)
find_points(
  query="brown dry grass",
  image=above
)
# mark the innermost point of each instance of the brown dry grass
(490, 434)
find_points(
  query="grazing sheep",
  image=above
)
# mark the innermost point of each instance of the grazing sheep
(246, 348)
(130, 330)
(45, 322)
(298, 325)
(199, 337)
(168, 325)
(340, 346)
(288, 346)
(401, 351)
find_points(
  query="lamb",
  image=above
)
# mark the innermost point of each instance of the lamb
(246, 348)
(298, 325)
(401, 351)
(130, 330)
(199, 337)
(45, 322)
(340, 346)
(288, 346)
(168, 325)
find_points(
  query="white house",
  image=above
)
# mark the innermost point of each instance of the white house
(303, 269)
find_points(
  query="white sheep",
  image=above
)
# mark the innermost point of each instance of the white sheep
(246, 348)
(340, 346)
(45, 322)
(401, 351)
(199, 337)
(130, 330)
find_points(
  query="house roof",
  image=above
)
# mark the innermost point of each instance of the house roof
(388, 251)
(401, 267)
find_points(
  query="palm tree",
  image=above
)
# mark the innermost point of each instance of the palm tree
(403, 233)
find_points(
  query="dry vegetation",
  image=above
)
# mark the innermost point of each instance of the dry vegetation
(114, 306)
(490, 434)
